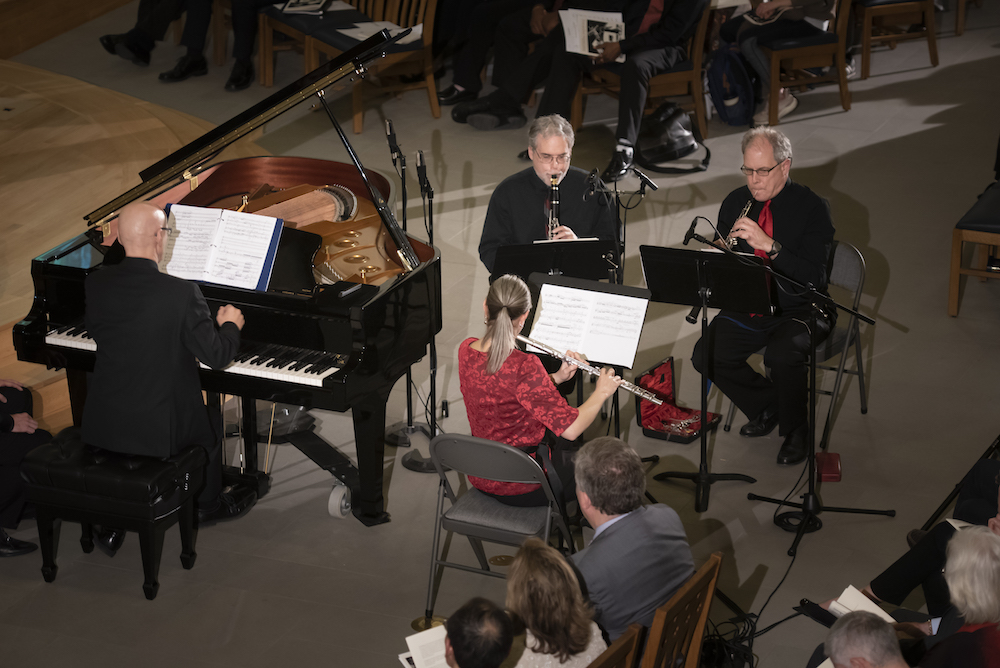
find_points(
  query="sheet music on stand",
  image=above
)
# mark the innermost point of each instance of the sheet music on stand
(603, 321)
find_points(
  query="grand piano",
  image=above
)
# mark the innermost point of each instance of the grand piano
(352, 302)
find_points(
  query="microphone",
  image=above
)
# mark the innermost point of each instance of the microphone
(421, 171)
(645, 180)
(390, 136)
(591, 184)
(690, 233)
(692, 317)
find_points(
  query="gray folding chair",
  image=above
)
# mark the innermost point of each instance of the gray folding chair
(479, 516)
(846, 269)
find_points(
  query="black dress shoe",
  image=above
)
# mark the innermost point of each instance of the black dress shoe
(132, 52)
(452, 95)
(110, 42)
(762, 425)
(233, 504)
(109, 541)
(620, 163)
(795, 448)
(241, 76)
(463, 110)
(502, 120)
(187, 67)
(12, 547)
(523, 155)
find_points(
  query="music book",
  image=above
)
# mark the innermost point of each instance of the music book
(602, 321)
(586, 30)
(752, 17)
(852, 599)
(220, 246)
(426, 649)
(311, 7)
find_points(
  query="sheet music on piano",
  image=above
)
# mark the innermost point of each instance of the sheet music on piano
(220, 246)
(600, 320)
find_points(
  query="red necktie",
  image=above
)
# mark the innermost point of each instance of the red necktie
(767, 225)
(653, 14)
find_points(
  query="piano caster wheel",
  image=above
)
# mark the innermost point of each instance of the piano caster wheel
(339, 505)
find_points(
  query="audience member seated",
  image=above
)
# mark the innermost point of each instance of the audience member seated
(639, 556)
(518, 211)
(470, 59)
(479, 636)
(544, 594)
(656, 36)
(973, 577)
(510, 398)
(155, 16)
(790, 24)
(19, 433)
(863, 640)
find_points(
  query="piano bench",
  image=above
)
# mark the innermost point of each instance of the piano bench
(68, 480)
(979, 226)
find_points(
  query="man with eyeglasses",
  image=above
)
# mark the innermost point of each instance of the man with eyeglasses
(519, 208)
(790, 227)
(151, 330)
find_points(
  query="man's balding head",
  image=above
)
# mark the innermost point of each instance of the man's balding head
(140, 230)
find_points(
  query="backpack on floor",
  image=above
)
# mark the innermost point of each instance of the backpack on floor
(666, 135)
(730, 85)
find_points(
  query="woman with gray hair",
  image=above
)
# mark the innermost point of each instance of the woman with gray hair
(510, 398)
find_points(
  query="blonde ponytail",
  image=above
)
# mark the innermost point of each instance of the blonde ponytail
(508, 299)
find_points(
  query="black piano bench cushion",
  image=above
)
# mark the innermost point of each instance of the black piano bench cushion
(984, 216)
(66, 472)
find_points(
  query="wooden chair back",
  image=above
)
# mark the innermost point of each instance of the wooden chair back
(622, 652)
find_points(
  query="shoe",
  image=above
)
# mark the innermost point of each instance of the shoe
(762, 117)
(232, 504)
(497, 121)
(241, 76)
(187, 67)
(915, 536)
(787, 105)
(452, 95)
(131, 52)
(795, 448)
(762, 425)
(621, 161)
(109, 541)
(110, 43)
(463, 110)
(523, 155)
(12, 547)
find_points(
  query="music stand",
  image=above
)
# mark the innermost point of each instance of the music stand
(583, 258)
(710, 280)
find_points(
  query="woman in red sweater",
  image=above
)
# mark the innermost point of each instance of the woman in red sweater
(511, 399)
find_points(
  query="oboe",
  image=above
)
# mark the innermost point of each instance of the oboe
(592, 370)
(746, 209)
(553, 207)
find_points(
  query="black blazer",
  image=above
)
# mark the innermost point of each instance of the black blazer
(151, 329)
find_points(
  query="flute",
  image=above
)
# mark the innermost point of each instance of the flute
(592, 370)
(746, 209)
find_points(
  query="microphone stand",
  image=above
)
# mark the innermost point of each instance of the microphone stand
(413, 460)
(398, 434)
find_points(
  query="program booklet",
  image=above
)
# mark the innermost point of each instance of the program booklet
(314, 7)
(220, 246)
(586, 30)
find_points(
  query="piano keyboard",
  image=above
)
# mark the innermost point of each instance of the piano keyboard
(261, 360)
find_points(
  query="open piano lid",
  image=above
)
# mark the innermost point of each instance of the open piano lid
(189, 160)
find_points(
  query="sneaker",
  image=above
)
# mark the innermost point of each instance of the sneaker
(761, 117)
(787, 105)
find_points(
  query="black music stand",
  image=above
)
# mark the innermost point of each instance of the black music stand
(709, 280)
(582, 258)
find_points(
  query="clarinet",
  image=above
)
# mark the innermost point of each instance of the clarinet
(592, 370)
(553, 207)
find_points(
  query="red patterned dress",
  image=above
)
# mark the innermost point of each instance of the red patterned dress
(512, 406)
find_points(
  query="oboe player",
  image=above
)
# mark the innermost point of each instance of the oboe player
(790, 227)
(511, 399)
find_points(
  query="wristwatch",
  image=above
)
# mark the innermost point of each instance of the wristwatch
(775, 249)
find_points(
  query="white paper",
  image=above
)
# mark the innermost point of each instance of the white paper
(362, 31)
(339, 6)
(586, 30)
(602, 326)
(852, 600)
(427, 647)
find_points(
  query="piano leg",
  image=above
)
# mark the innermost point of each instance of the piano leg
(76, 382)
(248, 475)
(369, 434)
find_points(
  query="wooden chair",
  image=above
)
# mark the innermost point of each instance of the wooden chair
(622, 652)
(960, 15)
(679, 624)
(222, 13)
(405, 67)
(980, 226)
(685, 79)
(895, 12)
(794, 56)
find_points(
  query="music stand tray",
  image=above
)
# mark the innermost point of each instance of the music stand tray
(591, 259)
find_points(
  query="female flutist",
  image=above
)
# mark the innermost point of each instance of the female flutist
(511, 399)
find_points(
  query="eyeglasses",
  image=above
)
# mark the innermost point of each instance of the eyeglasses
(759, 172)
(168, 230)
(558, 159)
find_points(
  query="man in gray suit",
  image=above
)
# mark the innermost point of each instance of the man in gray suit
(639, 555)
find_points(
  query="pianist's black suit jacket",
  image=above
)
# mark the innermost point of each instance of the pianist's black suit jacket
(145, 396)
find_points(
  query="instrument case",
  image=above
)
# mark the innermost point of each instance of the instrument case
(667, 422)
